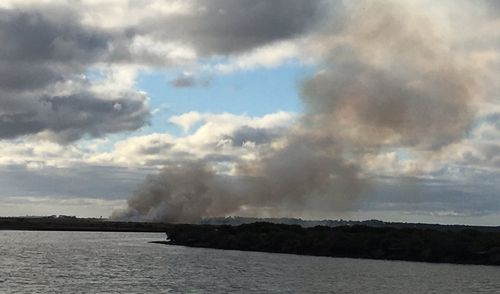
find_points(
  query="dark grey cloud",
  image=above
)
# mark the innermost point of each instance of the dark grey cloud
(189, 81)
(483, 154)
(476, 196)
(218, 158)
(183, 81)
(491, 6)
(69, 118)
(254, 135)
(36, 54)
(74, 116)
(155, 147)
(32, 36)
(37, 51)
(22, 76)
(226, 27)
(91, 181)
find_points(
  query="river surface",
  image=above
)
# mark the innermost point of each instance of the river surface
(93, 262)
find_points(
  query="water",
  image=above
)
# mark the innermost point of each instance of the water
(92, 262)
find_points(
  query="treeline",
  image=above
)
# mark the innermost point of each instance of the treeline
(466, 247)
(238, 220)
(70, 223)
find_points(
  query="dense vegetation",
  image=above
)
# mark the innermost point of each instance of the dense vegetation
(467, 246)
(238, 220)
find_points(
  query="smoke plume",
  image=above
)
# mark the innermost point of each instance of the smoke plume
(294, 177)
(387, 80)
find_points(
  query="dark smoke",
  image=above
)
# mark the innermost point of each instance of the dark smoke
(388, 81)
(293, 177)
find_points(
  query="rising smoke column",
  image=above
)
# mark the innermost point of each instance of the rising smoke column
(289, 177)
(391, 79)
(387, 80)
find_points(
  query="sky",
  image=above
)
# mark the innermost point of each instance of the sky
(319, 109)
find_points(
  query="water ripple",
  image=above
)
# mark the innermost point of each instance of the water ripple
(92, 262)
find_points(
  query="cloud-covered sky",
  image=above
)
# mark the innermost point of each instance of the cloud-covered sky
(302, 108)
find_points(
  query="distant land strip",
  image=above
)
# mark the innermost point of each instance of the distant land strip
(70, 223)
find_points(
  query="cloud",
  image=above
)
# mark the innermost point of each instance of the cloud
(480, 150)
(227, 120)
(34, 154)
(218, 138)
(188, 81)
(256, 136)
(37, 51)
(269, 56)
(226, 27)
(186, 120)
(183, 81)
(42, 91)
(46, 205)
(82, 181)
(433, 196)
(67, 118)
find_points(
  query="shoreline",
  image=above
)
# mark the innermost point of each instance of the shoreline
(326, 256)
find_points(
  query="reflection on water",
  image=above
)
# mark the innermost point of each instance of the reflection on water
(91, 262)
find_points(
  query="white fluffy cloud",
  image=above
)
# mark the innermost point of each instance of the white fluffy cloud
(216, 134)
(218, 137)
(267, 56)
